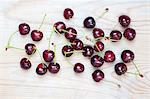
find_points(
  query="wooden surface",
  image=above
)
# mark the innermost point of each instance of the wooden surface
(16, 83)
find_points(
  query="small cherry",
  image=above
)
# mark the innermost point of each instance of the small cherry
(71, 33)
(25, 63)
(67, 50)
(77, 44)
(30, 48)
(59, 27)
(68, 13)
(98, 75)
(53, 67)
(24, 28)
(99, 46)
(127, 56)
(98, 33)
(115, 35)
(48, 55)
(120, 68)
(41, 69)
(78, 68)
(124, 20)
(109, 56)
(88, 51)
(97, 61)
(129, 34)
(89, 22)
(36, 35)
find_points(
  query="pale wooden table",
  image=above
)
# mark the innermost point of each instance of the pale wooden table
(18, 84)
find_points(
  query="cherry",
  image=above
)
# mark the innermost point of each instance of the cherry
(25, 63)
(79, 68)
(120, 68)
(54, 67)
(41, 69)
(89, 22)
(77, 44)
(129, 34)
(36, 35)
(24, 29)
(97, 61)
(67, 51)
(59, 27)
(71, 34)
(98, 33)
(109, 56)
(98, 75)
(30, 48)
(127, 56)
(115, 35)
(124, 20)
(99, 46)
(48, 55)
(68, 13)
(88, 51)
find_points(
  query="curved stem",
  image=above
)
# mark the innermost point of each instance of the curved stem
(106, 10)
(137, 69)
(42, 21)
(14, 48)
(55, 54)
(40, 56)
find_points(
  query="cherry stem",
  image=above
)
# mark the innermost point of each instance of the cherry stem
(133, 73)
(40, 55)
(14, 48)
(42, 21)
(65, 31)
(50, 39)
(55, 54)
(112, 82)
(73, 52)
(137, 69)
(106, 10)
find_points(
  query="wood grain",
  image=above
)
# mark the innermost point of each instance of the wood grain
(18, 84)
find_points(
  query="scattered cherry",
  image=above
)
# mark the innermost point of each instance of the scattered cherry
(97, 61)
(41, 69)
(98, 75)
(115, 35)
(127, 56)
(89, 22)
(71, 34)
(60, 26)
(54, 67)
(79, 68)
(98, 33)
(68, 13)
(24, 29)
(25, 63)
(129, 34)
(120, 68)
(88, 51)
(67, 51)
(30, 48)
(77, 44)
(109, 56)
(36, 35)
(99, 46)
(48, 55)
(124, 20)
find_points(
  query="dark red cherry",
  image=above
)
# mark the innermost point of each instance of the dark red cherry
(30, 48)
(77, 44)
(48, 55)
(25, 63)
(71, 34)
(60, 26)
(41, 69)
(54, 68)
(67, 51)
(127, 56)
(115, 35)
(124, 20)
(36, 35)
(79, 68)
(120, 68)
(88, 51)
(99, 46)
(109, 56)
(98, 33)
(97, 61)
(89, 22)
(129, 34)
(98, 75)
(68, 13)
(24, 29)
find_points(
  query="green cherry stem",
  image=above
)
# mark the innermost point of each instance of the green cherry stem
(112, 83)
(14, 48)
(103, 13)
(55, 58)
(40, 55)
(42, 22)
(137, 69)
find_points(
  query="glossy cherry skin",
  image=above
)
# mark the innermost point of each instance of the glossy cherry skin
(48, 55)
(41, 69)
(129, 34)
(60, 26)
(124, 20)
(36, 35)
(88, 51)
(120, 68)
(98, 75)
(24, 29)
(89, 22)
(77, 44)
(30, 48)
(78, 68)
(71, 34)
(99, 46)
(109, 56)
(97, 61)
(115, 35)
(98, 33)
(127, 56)
(53, 68)
(25, 63)
(67, 51)
(68, 13)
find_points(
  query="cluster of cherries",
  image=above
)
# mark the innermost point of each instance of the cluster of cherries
(76, 45)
